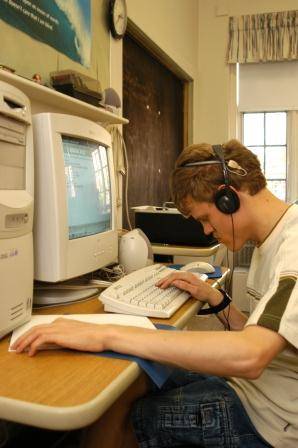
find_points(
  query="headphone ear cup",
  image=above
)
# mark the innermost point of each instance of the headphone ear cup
(227, 200)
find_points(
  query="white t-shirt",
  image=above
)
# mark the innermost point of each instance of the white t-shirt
(271, 401)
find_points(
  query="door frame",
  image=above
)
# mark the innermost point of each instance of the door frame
(116, 82)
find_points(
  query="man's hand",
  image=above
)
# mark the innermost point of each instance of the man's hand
(189, 282)
(64, 333)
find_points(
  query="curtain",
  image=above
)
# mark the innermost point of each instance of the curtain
(263, 37)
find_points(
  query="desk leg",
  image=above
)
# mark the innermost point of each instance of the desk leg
(113, 429)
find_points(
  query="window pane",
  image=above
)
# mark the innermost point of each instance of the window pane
(275, 162)
(278, 188)
(276, 128)
(259, 152)
(253, 129)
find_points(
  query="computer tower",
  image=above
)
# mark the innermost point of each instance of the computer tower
(16, 208)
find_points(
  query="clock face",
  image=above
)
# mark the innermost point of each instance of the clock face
(119, 18)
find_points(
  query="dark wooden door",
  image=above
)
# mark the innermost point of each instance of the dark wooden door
(153, 103)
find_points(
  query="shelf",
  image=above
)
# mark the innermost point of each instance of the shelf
(51, 100)
(168, 249)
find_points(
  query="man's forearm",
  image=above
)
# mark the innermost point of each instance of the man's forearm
(218, 353)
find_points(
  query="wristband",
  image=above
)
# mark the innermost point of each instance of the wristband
(221, 306)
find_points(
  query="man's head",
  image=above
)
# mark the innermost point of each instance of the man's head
(201, 184)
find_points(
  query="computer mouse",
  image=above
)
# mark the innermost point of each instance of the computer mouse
(198, 266)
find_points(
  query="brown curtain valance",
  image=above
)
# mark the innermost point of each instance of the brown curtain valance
(263, 37)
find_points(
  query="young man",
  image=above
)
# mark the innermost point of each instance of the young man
(239, 387)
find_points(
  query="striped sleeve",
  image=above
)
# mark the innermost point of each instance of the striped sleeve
(276, 306)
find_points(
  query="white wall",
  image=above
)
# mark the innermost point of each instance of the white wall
(172, 25)
(242, 7)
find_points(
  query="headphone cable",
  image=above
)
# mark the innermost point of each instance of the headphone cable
(228, 286)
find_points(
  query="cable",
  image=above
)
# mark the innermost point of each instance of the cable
(100, 283)
(71, 287)
(4, 434)
(103, 278)
(228, 327)
(122, 168)
(118, 157)
(60, 440)
(233, 256)
(126, 185)
(108, 274)
(228, 286)
(227, 318)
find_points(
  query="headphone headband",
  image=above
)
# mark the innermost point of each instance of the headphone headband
(218, 152)
(203, 162)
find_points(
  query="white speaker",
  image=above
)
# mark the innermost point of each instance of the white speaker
(135, 251)
(111, 98)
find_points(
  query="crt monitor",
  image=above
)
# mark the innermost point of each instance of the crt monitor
(75, 211)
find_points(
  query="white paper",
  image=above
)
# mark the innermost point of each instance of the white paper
(115, 319)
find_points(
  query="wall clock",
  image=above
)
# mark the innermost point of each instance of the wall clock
(118, 18)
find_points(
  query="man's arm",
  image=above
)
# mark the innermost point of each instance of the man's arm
(231, 317)
(243, 353)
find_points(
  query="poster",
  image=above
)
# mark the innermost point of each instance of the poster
(63, 24)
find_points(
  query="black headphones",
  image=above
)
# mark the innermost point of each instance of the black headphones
(226, 199)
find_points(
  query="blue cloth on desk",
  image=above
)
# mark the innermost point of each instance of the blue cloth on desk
(158, 373)
(216, 274)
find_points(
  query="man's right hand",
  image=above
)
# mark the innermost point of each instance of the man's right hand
(189, 282)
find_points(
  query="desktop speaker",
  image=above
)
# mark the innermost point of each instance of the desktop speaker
(135, 251)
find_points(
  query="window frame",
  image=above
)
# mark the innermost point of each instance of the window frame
(291, 144)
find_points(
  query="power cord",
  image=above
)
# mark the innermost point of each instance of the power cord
(122, 166)
(103, 278)
(108, 274)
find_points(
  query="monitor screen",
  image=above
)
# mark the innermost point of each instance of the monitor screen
(88, 187)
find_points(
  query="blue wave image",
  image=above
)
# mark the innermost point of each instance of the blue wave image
(77, 12)
(62, 24)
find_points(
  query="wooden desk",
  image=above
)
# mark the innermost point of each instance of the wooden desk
(64, 389)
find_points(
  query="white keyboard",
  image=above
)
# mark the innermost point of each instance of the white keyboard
(137, 294)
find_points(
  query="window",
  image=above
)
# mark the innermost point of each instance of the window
(265, 134)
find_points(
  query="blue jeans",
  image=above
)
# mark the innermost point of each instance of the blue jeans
(194, 410)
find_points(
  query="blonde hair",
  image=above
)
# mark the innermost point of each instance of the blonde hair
(201, 182)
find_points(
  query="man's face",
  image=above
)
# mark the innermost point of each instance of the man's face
(218, 224)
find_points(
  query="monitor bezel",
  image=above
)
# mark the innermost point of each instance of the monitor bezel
(58, 258)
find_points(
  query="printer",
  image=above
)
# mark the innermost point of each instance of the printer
(166, 225)
(16, 208)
